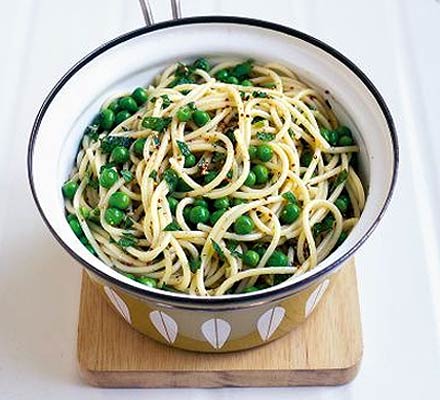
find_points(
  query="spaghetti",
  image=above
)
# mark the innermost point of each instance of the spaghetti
(215, 180)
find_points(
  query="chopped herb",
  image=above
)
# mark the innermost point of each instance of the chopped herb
(127, 240)
(128, 223)
(341, 178)
(192, 106)
(93, 183)
(265, 136)
(156, 124)
(173, 226)
(195, 264)
(166, 101)
(107, 166)
(153, 174)
(181, 81)
(171, 178)
(110, 142)
(127, 175)
(218, 249)
(184, 149)
(324, 226)
(92, 131)
(156, 140)
(290, 197)
(291, 133)
(259, 94)
(232, 246)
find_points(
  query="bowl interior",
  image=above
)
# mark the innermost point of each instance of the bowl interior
(135, 60)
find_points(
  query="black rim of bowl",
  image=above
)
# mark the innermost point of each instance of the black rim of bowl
(185, 301)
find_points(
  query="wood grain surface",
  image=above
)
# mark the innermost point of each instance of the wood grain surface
(326, 350)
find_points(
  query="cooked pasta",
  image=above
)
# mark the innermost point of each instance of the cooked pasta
(215, 180)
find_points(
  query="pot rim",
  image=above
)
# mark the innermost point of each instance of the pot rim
(223, 302)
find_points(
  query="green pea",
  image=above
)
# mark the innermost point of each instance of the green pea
(242, 70)
(330, 136)
(306, 158)
(114, 106)
(199, 214)
(140, 96)
(237, 201)
(107, 119)
(147, 281)
(232, 80)
(120, 154)
(113, 216)
(261, 174)
(200, 117)
(172, 202)
(342, 202)
(129, 276)
(253, 151)
(200, 202)
(250, 289)
(345, 141)
(216, 215)
(264, 152)
(246, 82)
(243, 225)
(108, 177)
(119, 200)
(121, 116)
(210, 176)
(138, 146)
(251, 258)
(222, 75)
(182, 186)
(190, 161)
(195, 264)
(128, 104)
(186, 213)
(222, 202)
(202, 63)
(251, 179)
(344, 131)
(69, 189)
(278, 259)
(290, 213)
(184, 114)
(75, 226)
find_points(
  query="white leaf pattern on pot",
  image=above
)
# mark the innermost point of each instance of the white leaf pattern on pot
(268, 323)
(165, 325)
(216, 331)
(118, 303)
(314, 298)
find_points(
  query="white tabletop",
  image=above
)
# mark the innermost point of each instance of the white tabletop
(396, 42)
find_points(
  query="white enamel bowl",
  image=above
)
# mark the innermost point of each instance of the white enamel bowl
(132, 60)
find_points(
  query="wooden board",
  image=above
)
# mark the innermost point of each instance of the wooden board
(326, 350)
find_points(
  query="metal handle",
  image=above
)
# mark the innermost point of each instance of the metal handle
(148, 14)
